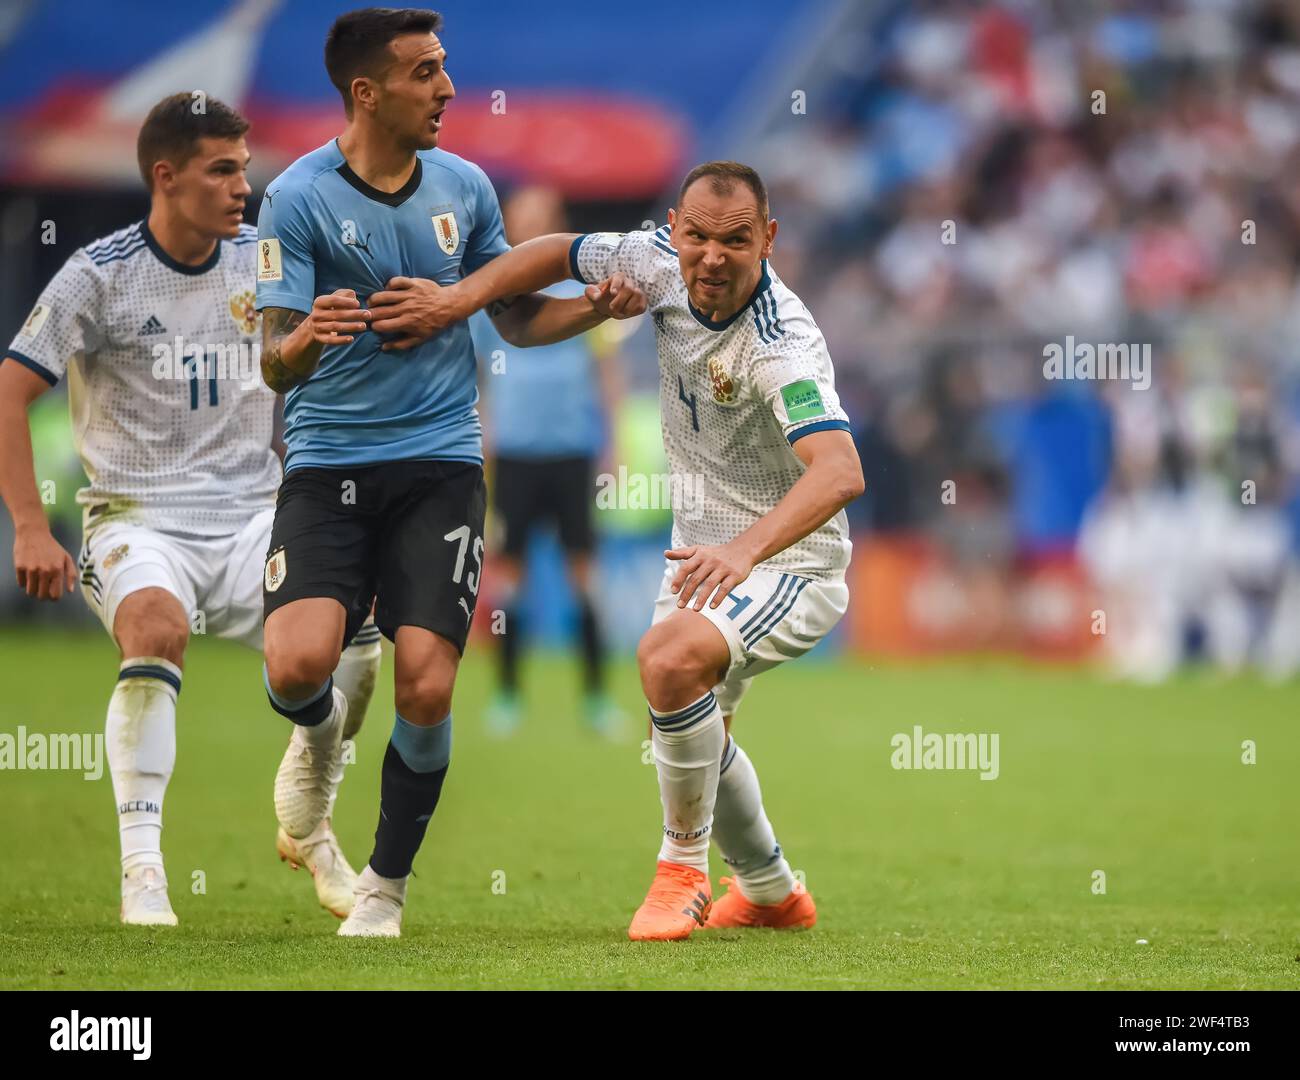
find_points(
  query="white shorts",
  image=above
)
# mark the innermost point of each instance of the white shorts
(768, 618)
(218, 576)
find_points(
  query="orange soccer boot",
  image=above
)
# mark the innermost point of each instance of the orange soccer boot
(796, 912)
(676, 905)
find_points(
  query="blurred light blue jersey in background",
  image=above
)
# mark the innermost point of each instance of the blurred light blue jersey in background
(542, 402)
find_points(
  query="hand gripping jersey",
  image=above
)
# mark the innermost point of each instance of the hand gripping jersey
(734, 396)
(169, 412)
(323, 228)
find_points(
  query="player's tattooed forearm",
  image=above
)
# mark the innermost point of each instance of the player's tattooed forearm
(275, 372)
(278, 324)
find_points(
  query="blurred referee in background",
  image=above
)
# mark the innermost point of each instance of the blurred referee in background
(544, 426)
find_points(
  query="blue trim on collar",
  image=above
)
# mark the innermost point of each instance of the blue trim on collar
(172, 264)
(764, 282)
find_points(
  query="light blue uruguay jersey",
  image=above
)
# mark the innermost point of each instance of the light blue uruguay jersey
(322, 228)
(542, 402)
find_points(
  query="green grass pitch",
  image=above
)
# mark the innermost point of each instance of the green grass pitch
(923, 879)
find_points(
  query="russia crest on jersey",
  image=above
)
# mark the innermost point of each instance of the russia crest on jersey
(448, 232)
(724, 386)
(243, 309)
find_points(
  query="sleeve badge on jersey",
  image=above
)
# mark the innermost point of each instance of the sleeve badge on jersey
(724, 386)
(243, 309)
(802, 400)
(277, 567)
(444, 225)
(35, 321)
(268, 260)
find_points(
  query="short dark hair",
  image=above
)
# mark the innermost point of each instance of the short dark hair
(358, 41)
(173, 128)
(724, 175)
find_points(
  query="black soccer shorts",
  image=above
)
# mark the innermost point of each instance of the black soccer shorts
(407, 534)
(530, 493)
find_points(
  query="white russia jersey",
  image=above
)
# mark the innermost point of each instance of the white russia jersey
(165, 442)
(734, 396)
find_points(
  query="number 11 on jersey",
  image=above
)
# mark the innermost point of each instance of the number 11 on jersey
(195, 370)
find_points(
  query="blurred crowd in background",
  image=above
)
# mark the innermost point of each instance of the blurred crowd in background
(1125, 172)
(961, 184)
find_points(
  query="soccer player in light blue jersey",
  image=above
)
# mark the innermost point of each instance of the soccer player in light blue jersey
(546, 420)
(383, 497)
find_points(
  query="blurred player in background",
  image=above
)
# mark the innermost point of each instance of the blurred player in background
(180, 460)
(383, 496)
(752, 424)
(546, 409)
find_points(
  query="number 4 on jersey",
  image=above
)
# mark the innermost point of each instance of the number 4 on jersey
(690, 402)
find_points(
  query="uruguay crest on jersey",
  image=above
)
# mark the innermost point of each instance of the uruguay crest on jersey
(448, 232)
(277, 566)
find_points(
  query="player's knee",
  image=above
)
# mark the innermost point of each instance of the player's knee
(424, 698)
(152, 623)
(669, 666)
(293, 673)
(167, 641)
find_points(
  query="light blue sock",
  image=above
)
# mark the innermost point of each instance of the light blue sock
(423, 749)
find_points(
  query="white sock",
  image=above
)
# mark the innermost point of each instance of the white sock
(326, 733)
(140, 733)
(356, 673)
(744, 835)
(355, 677)
(395, 888)
(688, 751)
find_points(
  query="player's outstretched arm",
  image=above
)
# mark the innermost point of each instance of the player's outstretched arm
(832, 480)
(528, 268)
(43, 568)
(292, 341)
(418, 309)
(535, 319)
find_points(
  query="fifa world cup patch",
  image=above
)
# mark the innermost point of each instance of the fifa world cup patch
(277, 566)
(802, 400)
(268, 260)
(35, 321)
(444, 225)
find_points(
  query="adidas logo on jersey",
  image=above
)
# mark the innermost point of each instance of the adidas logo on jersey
(153, 326)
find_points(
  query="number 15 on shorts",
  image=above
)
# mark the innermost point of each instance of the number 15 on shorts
(460, 537)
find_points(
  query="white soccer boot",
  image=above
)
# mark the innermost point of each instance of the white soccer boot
(377, 911)
(309, 775)
(144, 898)
(320, 853)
